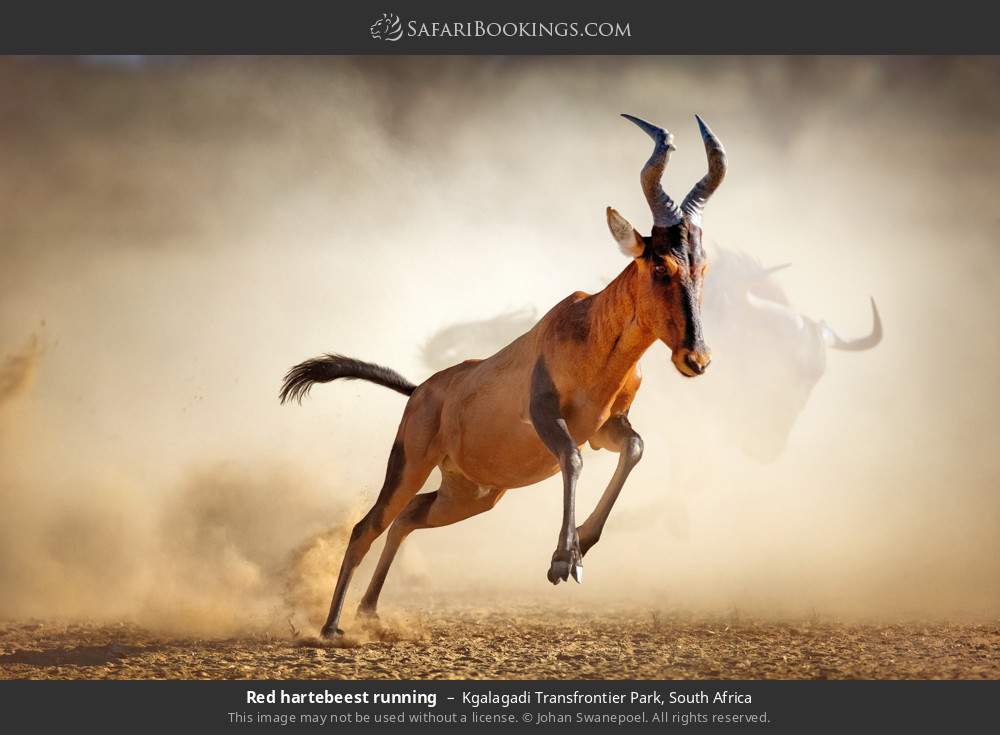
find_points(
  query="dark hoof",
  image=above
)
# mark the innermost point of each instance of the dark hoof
(564, 565)
(331, 633)
(558, 571)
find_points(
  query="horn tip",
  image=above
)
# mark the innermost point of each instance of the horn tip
(648, 127)
(876, 323)
(655, 132)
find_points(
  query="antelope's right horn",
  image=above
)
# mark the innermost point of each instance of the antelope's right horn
(695, 201)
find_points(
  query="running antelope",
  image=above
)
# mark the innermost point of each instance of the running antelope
(522, 415)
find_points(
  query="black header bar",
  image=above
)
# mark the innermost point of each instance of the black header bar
(511, 27)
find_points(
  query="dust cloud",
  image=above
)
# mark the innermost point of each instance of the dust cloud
(187, 229)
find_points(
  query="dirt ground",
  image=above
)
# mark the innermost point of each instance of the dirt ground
(522, 643)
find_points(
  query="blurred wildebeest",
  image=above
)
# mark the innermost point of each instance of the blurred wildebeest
(771, 356)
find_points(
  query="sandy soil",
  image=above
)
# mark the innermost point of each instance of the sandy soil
(517, 643)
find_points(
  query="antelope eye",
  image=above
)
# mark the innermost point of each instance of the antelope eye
(660, 270)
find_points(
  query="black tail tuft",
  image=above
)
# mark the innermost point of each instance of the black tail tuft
(300, 378)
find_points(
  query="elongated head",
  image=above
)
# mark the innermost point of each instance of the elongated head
(671, 261)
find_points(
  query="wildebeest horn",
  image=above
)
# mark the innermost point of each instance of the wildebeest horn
(834, 341)
(694, 202)
(774, 269)
(665, 212)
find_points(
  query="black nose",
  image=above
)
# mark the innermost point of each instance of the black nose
(691, 360)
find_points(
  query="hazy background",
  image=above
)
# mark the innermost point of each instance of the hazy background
(175, 233)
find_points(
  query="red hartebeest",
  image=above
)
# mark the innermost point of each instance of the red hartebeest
(521, 415)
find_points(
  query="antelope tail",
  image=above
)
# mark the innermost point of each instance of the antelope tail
(324, 369)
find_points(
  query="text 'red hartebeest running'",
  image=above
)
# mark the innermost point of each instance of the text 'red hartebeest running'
(521, 415)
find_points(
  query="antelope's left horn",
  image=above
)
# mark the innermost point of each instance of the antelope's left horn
(694, 202)
(665, 212)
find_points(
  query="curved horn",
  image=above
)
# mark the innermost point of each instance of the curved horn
(834, 341)
(694, 202)
(665, 212)
(774, 269)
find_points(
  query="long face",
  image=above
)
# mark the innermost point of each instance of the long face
(672, 274)
(671, 260)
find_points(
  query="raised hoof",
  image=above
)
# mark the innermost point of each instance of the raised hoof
(331, 634)
(367, 613)
(560, 570)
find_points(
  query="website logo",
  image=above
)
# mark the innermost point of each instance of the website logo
(387, 28)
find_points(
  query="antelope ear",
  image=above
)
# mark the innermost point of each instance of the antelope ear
(629, 241)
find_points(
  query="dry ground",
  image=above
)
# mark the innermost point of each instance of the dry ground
(521, 642)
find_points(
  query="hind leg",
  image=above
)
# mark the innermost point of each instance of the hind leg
(404, 477)
(457, 499)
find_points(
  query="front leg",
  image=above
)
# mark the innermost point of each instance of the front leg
(546, 417)
(616, 435)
